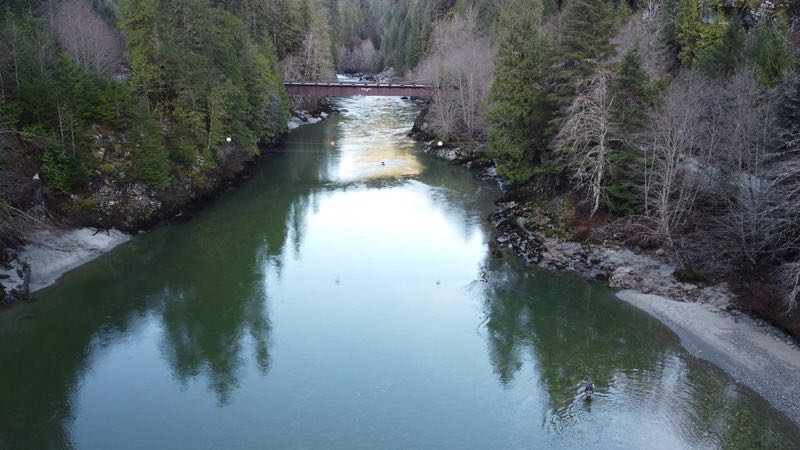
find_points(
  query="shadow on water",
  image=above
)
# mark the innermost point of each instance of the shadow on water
(203, 280)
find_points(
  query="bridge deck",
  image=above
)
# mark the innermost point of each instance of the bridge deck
(346, 89)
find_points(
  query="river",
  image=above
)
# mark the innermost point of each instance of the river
(344, 297)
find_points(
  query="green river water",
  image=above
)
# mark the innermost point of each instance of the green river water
(344, 297)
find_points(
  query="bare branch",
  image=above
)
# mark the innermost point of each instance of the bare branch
(87, 38)
(585, 137)
(461, 68)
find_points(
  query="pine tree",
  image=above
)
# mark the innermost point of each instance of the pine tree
(518, 108)
(773, 50)
(633, 92)
(81, 94)
(334, 28)
(692, 34)
(724, 57)
(588, 27)
(59, 170)
(633, 95)
(150, 163)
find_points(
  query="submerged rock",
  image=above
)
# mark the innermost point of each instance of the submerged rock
(14, 278)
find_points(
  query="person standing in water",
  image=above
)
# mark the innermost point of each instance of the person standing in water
(588, 392)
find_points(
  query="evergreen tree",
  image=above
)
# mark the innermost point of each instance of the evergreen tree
(268, 110)
(692, 35)
(60, 170)
(725, 56)
(633, 92)
(285, 24)
(150, 163)
(335, 28)
(773, 50)
(587, 30)
(633, 95)
(81, 94)
(518, 107)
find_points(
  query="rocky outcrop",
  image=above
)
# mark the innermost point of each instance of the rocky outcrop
(470, 157)
(125, 205)
(14, 277)
(301, 117)
(513, 234)
(422, 129)
(622, 268)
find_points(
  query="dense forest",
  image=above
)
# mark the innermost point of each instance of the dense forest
(681, 117)
(677, 120)
(114, 112)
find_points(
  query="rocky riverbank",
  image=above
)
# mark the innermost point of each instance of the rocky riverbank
(470, 157)
(536, 235)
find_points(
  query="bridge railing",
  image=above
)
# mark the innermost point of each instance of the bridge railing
(356, 84)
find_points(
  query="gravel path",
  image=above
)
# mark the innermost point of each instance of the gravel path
(768, 365)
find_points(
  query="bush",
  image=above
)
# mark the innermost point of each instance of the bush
(60, 170)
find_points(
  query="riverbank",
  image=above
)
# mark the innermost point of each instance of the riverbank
(706, 317)
(53, 251)
(754, 355)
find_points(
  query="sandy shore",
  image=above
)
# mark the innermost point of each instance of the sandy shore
(768, 365)
(55, 252)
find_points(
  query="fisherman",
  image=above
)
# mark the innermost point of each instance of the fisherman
(588, 392)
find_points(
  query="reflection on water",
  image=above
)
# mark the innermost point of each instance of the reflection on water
(343, 297)
(646, 390)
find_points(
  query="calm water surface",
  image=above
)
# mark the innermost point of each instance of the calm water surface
(343, 297)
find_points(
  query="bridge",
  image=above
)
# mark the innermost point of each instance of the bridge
(347, 89)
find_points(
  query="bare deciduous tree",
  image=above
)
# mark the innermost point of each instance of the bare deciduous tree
(586, 136)
(783, 174)
(358, 59)
(317, 62)
(87, 38)
(313, 63)
(790, 276)
(676, 154)
(460, 66)
(744, 122)
(644, 32)
(16, 225)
